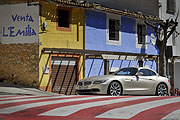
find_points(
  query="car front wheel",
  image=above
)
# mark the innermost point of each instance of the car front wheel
(162, 90)
(115, 89)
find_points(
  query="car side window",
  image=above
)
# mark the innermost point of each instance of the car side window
(127, 71)
(147, 72)
(153, 73)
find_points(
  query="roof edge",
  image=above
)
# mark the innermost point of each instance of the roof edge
(99, 7)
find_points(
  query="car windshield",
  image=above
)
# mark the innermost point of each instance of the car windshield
(127, 71)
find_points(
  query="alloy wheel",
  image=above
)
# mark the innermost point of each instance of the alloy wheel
(162, 90)
(115, 89)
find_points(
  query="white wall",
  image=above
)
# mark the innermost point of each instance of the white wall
(19, 23)
(177, 75)
(164, 15)
(177, 40)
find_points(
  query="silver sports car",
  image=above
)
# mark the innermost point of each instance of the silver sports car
(131, 80)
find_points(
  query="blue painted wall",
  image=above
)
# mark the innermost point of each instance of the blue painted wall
(95, 67)
(95, 33)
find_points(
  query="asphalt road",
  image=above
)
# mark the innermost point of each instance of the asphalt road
(56, 107)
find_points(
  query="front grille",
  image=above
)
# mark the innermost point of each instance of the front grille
(88, 90)
(84, 91)
(95, 90)
(86, 83)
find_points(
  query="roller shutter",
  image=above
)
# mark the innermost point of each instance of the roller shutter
(64, 75)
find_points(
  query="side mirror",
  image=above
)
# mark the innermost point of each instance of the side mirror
(139, 74)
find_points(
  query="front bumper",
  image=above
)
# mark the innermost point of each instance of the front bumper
(92, 89)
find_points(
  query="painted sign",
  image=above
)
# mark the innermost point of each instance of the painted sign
(19, 23)
(27, 31)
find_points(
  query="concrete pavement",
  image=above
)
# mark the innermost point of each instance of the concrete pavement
(11, 89)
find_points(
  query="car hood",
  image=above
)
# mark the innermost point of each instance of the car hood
(105, 77)
(102, 77)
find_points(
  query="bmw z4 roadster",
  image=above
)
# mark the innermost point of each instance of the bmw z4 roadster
(130, 80)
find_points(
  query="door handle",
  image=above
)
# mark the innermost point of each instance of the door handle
(128, 80)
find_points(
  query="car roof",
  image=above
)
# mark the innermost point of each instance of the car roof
(138, 67)
(142, 68)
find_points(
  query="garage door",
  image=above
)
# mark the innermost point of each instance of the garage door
(64, 75)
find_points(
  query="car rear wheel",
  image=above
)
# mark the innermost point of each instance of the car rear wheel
(162, 90)
(115, 89)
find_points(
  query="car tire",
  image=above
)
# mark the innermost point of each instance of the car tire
(162, 90)
(115, 88)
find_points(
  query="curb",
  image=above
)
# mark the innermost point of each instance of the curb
(5, 93)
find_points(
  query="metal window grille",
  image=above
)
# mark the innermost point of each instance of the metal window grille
(114, 28)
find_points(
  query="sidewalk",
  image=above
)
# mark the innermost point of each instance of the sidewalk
(10, 89)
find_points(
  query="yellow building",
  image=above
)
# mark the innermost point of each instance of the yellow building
(60, 28)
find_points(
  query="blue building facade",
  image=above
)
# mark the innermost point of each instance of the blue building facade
(110, 32)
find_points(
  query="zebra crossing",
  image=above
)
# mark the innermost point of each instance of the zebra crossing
(89, 107)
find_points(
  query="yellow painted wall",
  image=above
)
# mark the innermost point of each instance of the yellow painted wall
(52, 38)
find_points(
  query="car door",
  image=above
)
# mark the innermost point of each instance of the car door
(126, 76)
(145, 84)
(128, 83)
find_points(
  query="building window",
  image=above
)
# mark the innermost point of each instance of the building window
(171, 6)
(141, 34)
(113, 29)
(63, 19)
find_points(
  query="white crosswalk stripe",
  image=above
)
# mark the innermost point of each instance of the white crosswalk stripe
(31, 99)
(67, 110)
(132, 110)
(173, 116)
(13, 109)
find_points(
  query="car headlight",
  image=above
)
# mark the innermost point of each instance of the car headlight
(99, 81)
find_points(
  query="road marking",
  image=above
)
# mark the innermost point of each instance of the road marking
(13, 97)
(13, 109)
(130, 111)
(31, 99)
(68, 110)
(172, 116)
